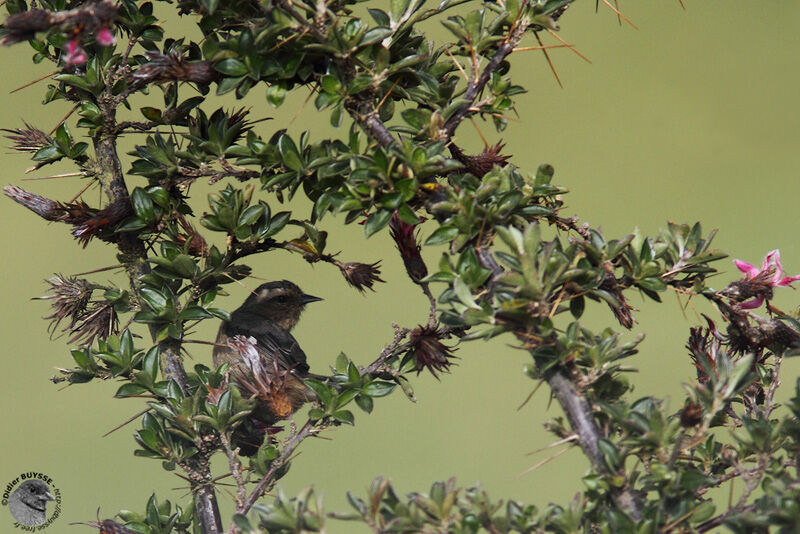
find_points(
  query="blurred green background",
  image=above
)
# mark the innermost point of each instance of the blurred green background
(692, 117)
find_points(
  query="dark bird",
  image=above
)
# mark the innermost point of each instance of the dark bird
(266, 362)
(28, 504)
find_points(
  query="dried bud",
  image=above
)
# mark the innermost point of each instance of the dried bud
(102, 223)
(361, 275)
(758, 288)
(28, 139)
(691, 415)
(428, 351)
(100, 319)
(173, 66)
(405, 237)
(70, 297)
(622, 311)
(703, 352)
(87, 222)
(190, 240)
(482, 163)
(45, 208)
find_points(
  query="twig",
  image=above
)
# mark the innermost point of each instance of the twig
(475, 87)
(263, 484)
(768, 400)
(236, 469)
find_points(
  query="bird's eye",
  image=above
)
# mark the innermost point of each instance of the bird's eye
(281, 298)
(32, 489)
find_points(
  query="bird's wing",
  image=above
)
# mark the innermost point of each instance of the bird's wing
(273, 344)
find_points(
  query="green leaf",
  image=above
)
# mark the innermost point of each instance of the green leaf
(464, 294)
(151, 114)
(323, 392)
(344, 416)
(365, 403)
(129, 390)
(377, 221)
(378, 388)
(231, 67)
(289, 153)
(154, 299)
(276, 94)
(142, 205)
(331, 84)
(443, 234)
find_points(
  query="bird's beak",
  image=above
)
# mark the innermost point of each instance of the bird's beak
(48, 496)
(306, 299)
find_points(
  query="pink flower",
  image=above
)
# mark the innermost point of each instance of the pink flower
(75, 54)
(104, 37)
(770, 274)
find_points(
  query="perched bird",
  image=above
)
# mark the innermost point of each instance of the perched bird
(265, 360)
(28, 504)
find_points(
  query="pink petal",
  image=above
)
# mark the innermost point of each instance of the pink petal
(752, 303)
(750, 270)
(768, 258)
(774, 258)
(104, 37)
(787, 281)
(75, 54)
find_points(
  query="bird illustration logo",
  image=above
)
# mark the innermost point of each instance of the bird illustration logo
(28, 503)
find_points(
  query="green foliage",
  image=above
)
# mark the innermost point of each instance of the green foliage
(510, 263)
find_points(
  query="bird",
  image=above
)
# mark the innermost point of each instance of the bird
(28, 504)
(266, 361)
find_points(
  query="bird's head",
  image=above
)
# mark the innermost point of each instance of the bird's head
(280, 302)
(34, 493)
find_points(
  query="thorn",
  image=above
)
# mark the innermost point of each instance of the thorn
(548, 47)
(389, 92)
(251, 291)
(543, 462)
(82, 191)
(458, 65)
(302, 107)
(472, 120)
(62, 121)
(547, 57)
(100, 270)
(554, 34)
(568, 439)
(615, 10)
(130, 420)
(21, 87)
(530, 395)
(65, 175)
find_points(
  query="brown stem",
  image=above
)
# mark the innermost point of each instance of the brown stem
(236, 469)
(134, 258)
(266, 481)
(581, 419)
(578, 411)
(476, 85)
